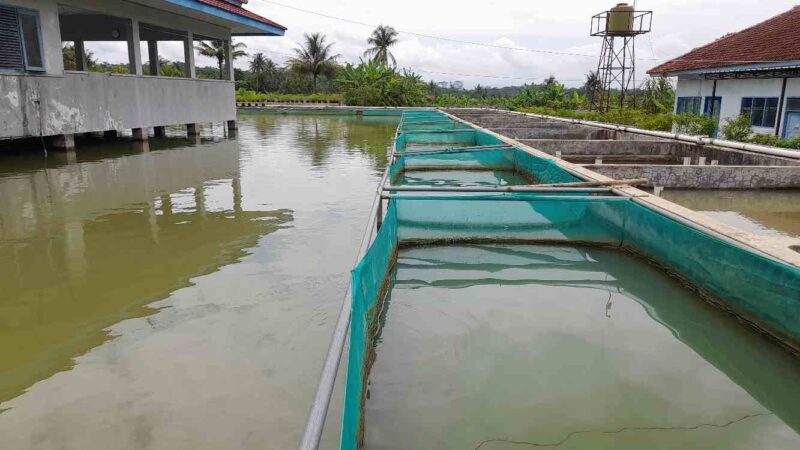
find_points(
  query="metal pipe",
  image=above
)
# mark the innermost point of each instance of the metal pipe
(312, 434)
(762, 149)
(779, 113)
(487, 196)
(491, 189)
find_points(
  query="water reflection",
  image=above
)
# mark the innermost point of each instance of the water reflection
(227, 321)
(88, 244)
(545, 363)
(766, 212)
(318, 135)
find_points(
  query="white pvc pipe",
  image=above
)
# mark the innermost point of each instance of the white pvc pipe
(699, 140)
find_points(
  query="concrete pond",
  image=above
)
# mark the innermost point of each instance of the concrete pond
(181, 294)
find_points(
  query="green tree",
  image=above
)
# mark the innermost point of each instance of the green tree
(258, 67)
(593, 89)
(216, 50)
(658, 95)
(381, 39)
(70, 60)
(372, 83)
(314, 58)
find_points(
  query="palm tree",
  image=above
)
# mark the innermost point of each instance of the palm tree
(381, 39)
(216, 49)
(314, 58)
(258, 66)
(593, 88)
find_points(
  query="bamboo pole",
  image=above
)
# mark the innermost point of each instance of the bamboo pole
(521, 188)
(628, 182)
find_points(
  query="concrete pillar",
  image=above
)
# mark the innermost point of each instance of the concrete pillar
(110, 135)
(140, 134)
(232, 128)
(142, 146)
(192, 129)
(236, 185)
(200, 200)
(134, 49)
(188, 56)
(160, 131)
(152, 54)
(65, 156)
(229, 59)
(80, 56)
(64, 142)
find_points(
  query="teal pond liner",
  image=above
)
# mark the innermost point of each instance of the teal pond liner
(757, 289)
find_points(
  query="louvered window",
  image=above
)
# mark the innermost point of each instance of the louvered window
(20, 40)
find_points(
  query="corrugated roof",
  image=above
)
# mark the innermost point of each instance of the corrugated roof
(773, 40)
(239, 11)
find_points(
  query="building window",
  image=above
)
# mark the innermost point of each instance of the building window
(715, 104)
(762, 111)
(688, 105)
(20, 40)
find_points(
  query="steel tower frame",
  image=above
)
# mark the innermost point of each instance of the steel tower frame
(616, 68)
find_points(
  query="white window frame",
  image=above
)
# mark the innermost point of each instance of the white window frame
(37, 18)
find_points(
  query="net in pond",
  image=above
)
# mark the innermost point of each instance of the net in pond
(762, 289)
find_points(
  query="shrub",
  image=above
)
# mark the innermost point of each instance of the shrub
(244, 95)
(774, 141)
(737, 128)
(694, 125)
(375, 84)
(636, 118)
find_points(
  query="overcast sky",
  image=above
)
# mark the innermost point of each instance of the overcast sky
(561, 26)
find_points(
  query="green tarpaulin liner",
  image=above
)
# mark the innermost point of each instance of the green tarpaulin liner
(762, 290)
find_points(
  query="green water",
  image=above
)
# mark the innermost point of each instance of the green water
(764, 212)
(474, 178)
(179, 295)
(510, 346)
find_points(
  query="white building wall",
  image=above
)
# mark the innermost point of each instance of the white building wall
(59, 102)
(51, 31)
(732, 91)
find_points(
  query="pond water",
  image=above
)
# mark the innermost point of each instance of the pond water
(184, 297)
(513, 346)
(474, 178)
(765, 212)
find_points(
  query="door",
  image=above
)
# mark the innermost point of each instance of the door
(792, 127)
(716, 106)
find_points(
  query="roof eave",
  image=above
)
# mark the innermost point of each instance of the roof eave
(239, 25)
(733, 68)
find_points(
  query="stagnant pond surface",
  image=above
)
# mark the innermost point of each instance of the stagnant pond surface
(184, 297)
(181, 298)
(513, 346)
(475, 178)
(765, 212)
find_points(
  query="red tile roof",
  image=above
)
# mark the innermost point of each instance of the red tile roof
(239, 11)
(774, 40)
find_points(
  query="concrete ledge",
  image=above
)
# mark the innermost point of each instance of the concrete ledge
(81, 102)
(568, 131)
(676, 149)
(706, 177)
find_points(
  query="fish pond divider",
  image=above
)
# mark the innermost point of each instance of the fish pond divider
(736, 275)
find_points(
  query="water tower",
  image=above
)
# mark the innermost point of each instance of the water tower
(616, 69)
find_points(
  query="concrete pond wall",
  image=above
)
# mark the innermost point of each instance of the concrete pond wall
(79, 102)
(627, 155)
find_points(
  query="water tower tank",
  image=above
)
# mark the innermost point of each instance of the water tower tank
(620, 19)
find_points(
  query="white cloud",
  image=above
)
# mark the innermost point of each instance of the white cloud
(678, 26)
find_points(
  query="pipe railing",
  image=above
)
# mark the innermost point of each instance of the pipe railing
(312, 434)
(699, 140)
